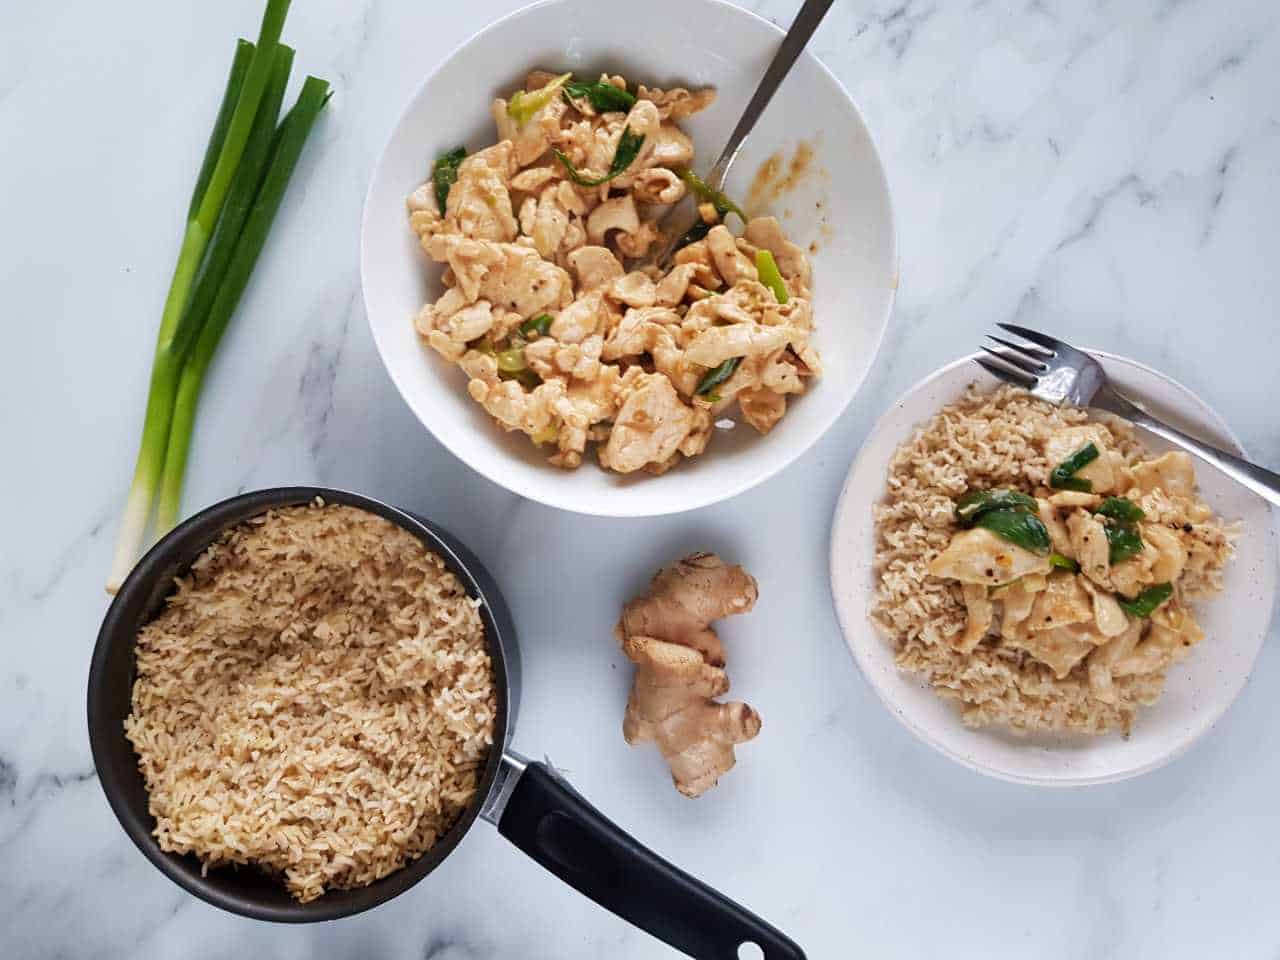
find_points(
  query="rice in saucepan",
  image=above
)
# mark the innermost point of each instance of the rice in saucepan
(315, 699)
(997, 440)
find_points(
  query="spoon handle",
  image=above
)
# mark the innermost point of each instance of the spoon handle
(802, 28)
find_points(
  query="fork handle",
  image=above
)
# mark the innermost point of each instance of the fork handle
(802, 28)
(1261, 481)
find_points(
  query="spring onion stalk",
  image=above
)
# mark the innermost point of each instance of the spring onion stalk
(235, 211)
(227, 142)
(230, 96)
(767, 269)
(164, 376)
(289, 141)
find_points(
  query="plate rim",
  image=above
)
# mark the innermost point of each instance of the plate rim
(617, 507)
(844, 503)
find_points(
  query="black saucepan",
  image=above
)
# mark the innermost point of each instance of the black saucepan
(528, 801)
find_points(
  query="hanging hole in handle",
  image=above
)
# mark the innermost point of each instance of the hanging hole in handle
(750, 951)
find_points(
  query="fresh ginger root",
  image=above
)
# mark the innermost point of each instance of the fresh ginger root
(680, 668)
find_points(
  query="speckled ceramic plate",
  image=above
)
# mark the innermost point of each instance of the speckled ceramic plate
(1199, 690)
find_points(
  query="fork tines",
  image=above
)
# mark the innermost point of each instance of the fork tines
(1017, 363)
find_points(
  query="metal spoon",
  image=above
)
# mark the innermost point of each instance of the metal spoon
(802, 28)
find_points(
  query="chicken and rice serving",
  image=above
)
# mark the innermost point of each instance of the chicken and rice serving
(559, 338)
(1039, 566)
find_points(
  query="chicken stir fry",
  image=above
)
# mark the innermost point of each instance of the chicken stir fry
(562, 337)
(1092, 571)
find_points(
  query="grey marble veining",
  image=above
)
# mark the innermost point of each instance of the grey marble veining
(1104, 168)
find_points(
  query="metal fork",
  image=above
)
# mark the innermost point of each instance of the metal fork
(802, 28)
(1059, 373)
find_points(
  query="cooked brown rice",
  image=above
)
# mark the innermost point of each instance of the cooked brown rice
(996, 440)
(315, 699)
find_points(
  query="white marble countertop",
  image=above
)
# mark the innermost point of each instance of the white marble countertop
(1107, 167)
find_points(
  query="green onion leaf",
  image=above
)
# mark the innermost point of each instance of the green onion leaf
(1124, 541)
(977, 502)
(1062, 562)
(241, 123)
(629, 145)
(604, 97)
(1064, 476)
(240, 198)
(1120, 508)
(717, 375)
(511, 360)
(538, 325)
(1145, 603)
(524, 104)
(708, 194)
(444, 174)
(1020, 528)
(525, 377)
(235, 83)
(692, 235)
(548, 434)
(767, 268)
(286, 148)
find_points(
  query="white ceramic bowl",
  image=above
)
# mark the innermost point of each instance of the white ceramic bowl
(842, 205)
(1199, 689)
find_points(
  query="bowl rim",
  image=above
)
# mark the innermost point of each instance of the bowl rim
(847, 626)
(145, 578)
(617, 506)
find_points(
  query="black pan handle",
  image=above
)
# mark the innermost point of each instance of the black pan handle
(553, 824)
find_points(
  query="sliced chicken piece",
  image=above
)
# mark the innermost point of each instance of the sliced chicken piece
(729, 261)
(649, 427)
(670, 147)
(652, 330)
(1170, 554)
(761, 408)
(1128, 577)
(1102, 662)
(1075, 498)
(678, 102)
(618, 213)
(1016, 602)
(979, 556)
(1059, 649)
(672, 288)
(980, 614)
(595, 267)
(635, 289)
(714, 346)
(793, 264)
(1172, 633)
(637, 243)
(533, 179)
(1103, 472)
(508, 275)
(530, 140)
(547, 357)
(1108, 615)
(1089, 546)
(1172, 472)
(580, 319)
(1062, 603)
(479, 204)
(1058, 534)
(657, 185)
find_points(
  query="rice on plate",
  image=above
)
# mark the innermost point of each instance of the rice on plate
(315, 699)
(1036, 596)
